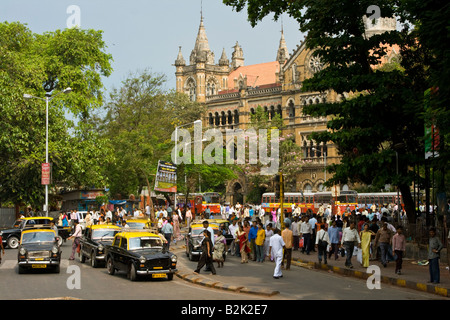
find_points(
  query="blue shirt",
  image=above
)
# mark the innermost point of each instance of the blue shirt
(333, 232)
(252, 233)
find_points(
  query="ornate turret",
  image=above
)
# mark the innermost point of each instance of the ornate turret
(201, 51)
(223, 61)
(378, 26)
(282, 53)
(237, 58)
(180, 60)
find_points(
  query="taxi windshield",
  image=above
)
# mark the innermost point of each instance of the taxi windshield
(145, 243)
(38, 237)
(104, 234)
(136, 225)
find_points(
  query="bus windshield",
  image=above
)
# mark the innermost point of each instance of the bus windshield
(211, 198)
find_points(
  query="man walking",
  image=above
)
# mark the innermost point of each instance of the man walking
(296, 232)
(306, 232)
(384, 239)
(276, 251)
(76, 236)
(349, 237)
(322, 241)
(253, 233)
(333, 233)
(167, 231)
(288, 239)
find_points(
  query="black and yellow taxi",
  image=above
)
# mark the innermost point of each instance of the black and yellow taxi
(11, 237)
(194, 239)
(140, 253)
(138, 223)
(39, 249)
(93, 243)
(221, 222)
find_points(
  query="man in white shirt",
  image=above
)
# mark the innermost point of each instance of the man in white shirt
(349, 237)
(322, 241)
(295, 226)
(276, 251)
(233, 229)
(306, 232)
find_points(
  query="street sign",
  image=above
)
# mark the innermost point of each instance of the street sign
(45, 179)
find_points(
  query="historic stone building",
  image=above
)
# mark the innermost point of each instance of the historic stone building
(232, 91)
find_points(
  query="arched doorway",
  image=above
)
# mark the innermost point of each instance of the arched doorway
(238, 195)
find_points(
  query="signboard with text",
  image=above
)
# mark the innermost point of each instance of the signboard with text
(45, 178)
(166, 177)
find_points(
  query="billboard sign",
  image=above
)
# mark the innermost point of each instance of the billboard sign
(166, 177)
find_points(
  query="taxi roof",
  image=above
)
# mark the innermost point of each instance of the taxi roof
(199, 225)
(143, 220)
(103, 226)
(38, 230)
(34, 218)
(136, 234)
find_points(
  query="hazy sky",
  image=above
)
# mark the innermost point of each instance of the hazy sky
(147, 33)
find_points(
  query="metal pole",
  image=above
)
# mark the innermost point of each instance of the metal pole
(281, 202)
(398, 195)
(176, 153)
(46, 152)
(325, 159)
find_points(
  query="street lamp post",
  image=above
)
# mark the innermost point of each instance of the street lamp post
(176, 150)
(47, 99)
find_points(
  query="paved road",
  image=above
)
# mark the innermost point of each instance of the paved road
(299, 283)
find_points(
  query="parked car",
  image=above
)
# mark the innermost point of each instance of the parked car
(140, 253)
(39, 249)
(93, 243)
(136, 223)
(11, 237)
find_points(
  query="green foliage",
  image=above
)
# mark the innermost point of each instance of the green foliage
(69, 58)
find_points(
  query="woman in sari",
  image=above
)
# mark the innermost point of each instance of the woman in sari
(243, 244)
(220, 245)
(366, 237)
(176, 228)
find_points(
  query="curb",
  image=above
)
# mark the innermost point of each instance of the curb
(383, 279)
(196, 279)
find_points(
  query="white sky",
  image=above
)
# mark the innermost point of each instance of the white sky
(147, 33)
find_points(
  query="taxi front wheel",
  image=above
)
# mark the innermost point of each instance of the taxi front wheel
(110, 266)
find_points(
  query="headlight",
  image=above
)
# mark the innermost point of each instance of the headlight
(55, 250)
(100, 248)
(22, 251)
(174, 258)
(142, 259)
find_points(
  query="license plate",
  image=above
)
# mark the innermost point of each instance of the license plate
(158, 275)
(39, 266)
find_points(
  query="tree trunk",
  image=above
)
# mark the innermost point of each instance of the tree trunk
(409, 203)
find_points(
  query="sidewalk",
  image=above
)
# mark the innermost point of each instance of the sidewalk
(413, 276)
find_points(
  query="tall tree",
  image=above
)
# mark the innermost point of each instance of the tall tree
(39, 65)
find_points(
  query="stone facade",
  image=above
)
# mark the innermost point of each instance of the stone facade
(232, 91)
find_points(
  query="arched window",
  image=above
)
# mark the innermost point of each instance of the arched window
(318, 151)
(224, 118)
(272, 112)
(217, 119)
(211, 119)
(307, 188)
(279, 111)
(305, 149)
(230, 117)
(266, 111)
(191, 89)
(291, 109)
(312, 154)
(236, 116)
